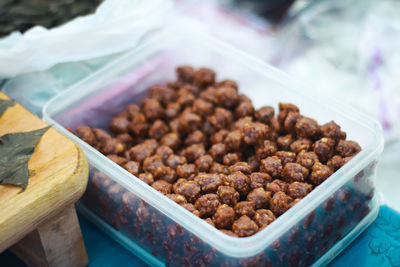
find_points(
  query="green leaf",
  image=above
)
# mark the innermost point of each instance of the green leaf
(15, 151)
(5, 104)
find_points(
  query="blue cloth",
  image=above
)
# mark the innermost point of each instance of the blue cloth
(379, 245)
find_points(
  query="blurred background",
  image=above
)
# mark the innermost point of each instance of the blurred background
(347, 49)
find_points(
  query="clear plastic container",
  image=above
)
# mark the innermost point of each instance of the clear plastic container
(138, 216)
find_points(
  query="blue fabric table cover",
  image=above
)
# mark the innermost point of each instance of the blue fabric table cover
(379, 246)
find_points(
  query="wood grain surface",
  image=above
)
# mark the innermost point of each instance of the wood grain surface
(59, 180)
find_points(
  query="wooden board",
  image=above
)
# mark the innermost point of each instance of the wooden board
(60, 179)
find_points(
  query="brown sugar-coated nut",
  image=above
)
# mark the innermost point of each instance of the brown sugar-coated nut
(229, 232)
(146, 177)
(332, 130)
(275, 126)
(263, 217)
(186, 170)
(164, 152)
(229, 83)
(294, 172)
(245, 208)
(335, 163)
(172, 140)
(207, 205)
(284, 142)
(204, 77)
(233, 141)
(112, 146)
(208, 94)
(119, 125)
(260, 198)
(185, 74)
(188, 122)
(244, 226)
(117, 159)
(226, 96)
(221, 118)
(152, 109)
(324, 148)
(284, 109)
(165, 173)
(174, 125)
(219, 168)
(86, 134)
(347, 148)
(163, 95)
(239, 181)
(139, 126)
(219, 136)
(202, 107)
(290, 121)
(299, 190)
(286, 157)
(307, 159)
(140, 152)
(254, 163)
(272, 166)
(158, 129)
(185, 98)
(228, 195)
(300, 145)
(276, 186)
(231, 158)
(101, 135)
(254, 132)
(174, 161)
(126, 139)
(132, 110)
(217, 151)
(244, 108)
(240, 123)
(150, 164)
(196, 137)
(259, 179)
(172, 110)
(240, 166)
(320, 173)
(209, 221)
(265, 149)
(162, 186)
(265, 114)
(209, 182)
(151, 143)
(224, 217)
(280, 203)
(204, 163)
(189, 189)
(307, 127)
(133, 167)
(193, 152)
(177, 198)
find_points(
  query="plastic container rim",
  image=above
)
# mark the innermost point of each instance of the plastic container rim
(232, 246)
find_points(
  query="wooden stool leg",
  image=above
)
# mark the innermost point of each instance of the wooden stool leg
(57, 242)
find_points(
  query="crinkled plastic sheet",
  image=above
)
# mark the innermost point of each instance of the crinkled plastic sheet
(115, 26)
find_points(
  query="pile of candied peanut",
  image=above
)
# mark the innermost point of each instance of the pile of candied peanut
(203, 144)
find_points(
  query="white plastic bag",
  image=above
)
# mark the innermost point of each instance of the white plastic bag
(116, 26)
